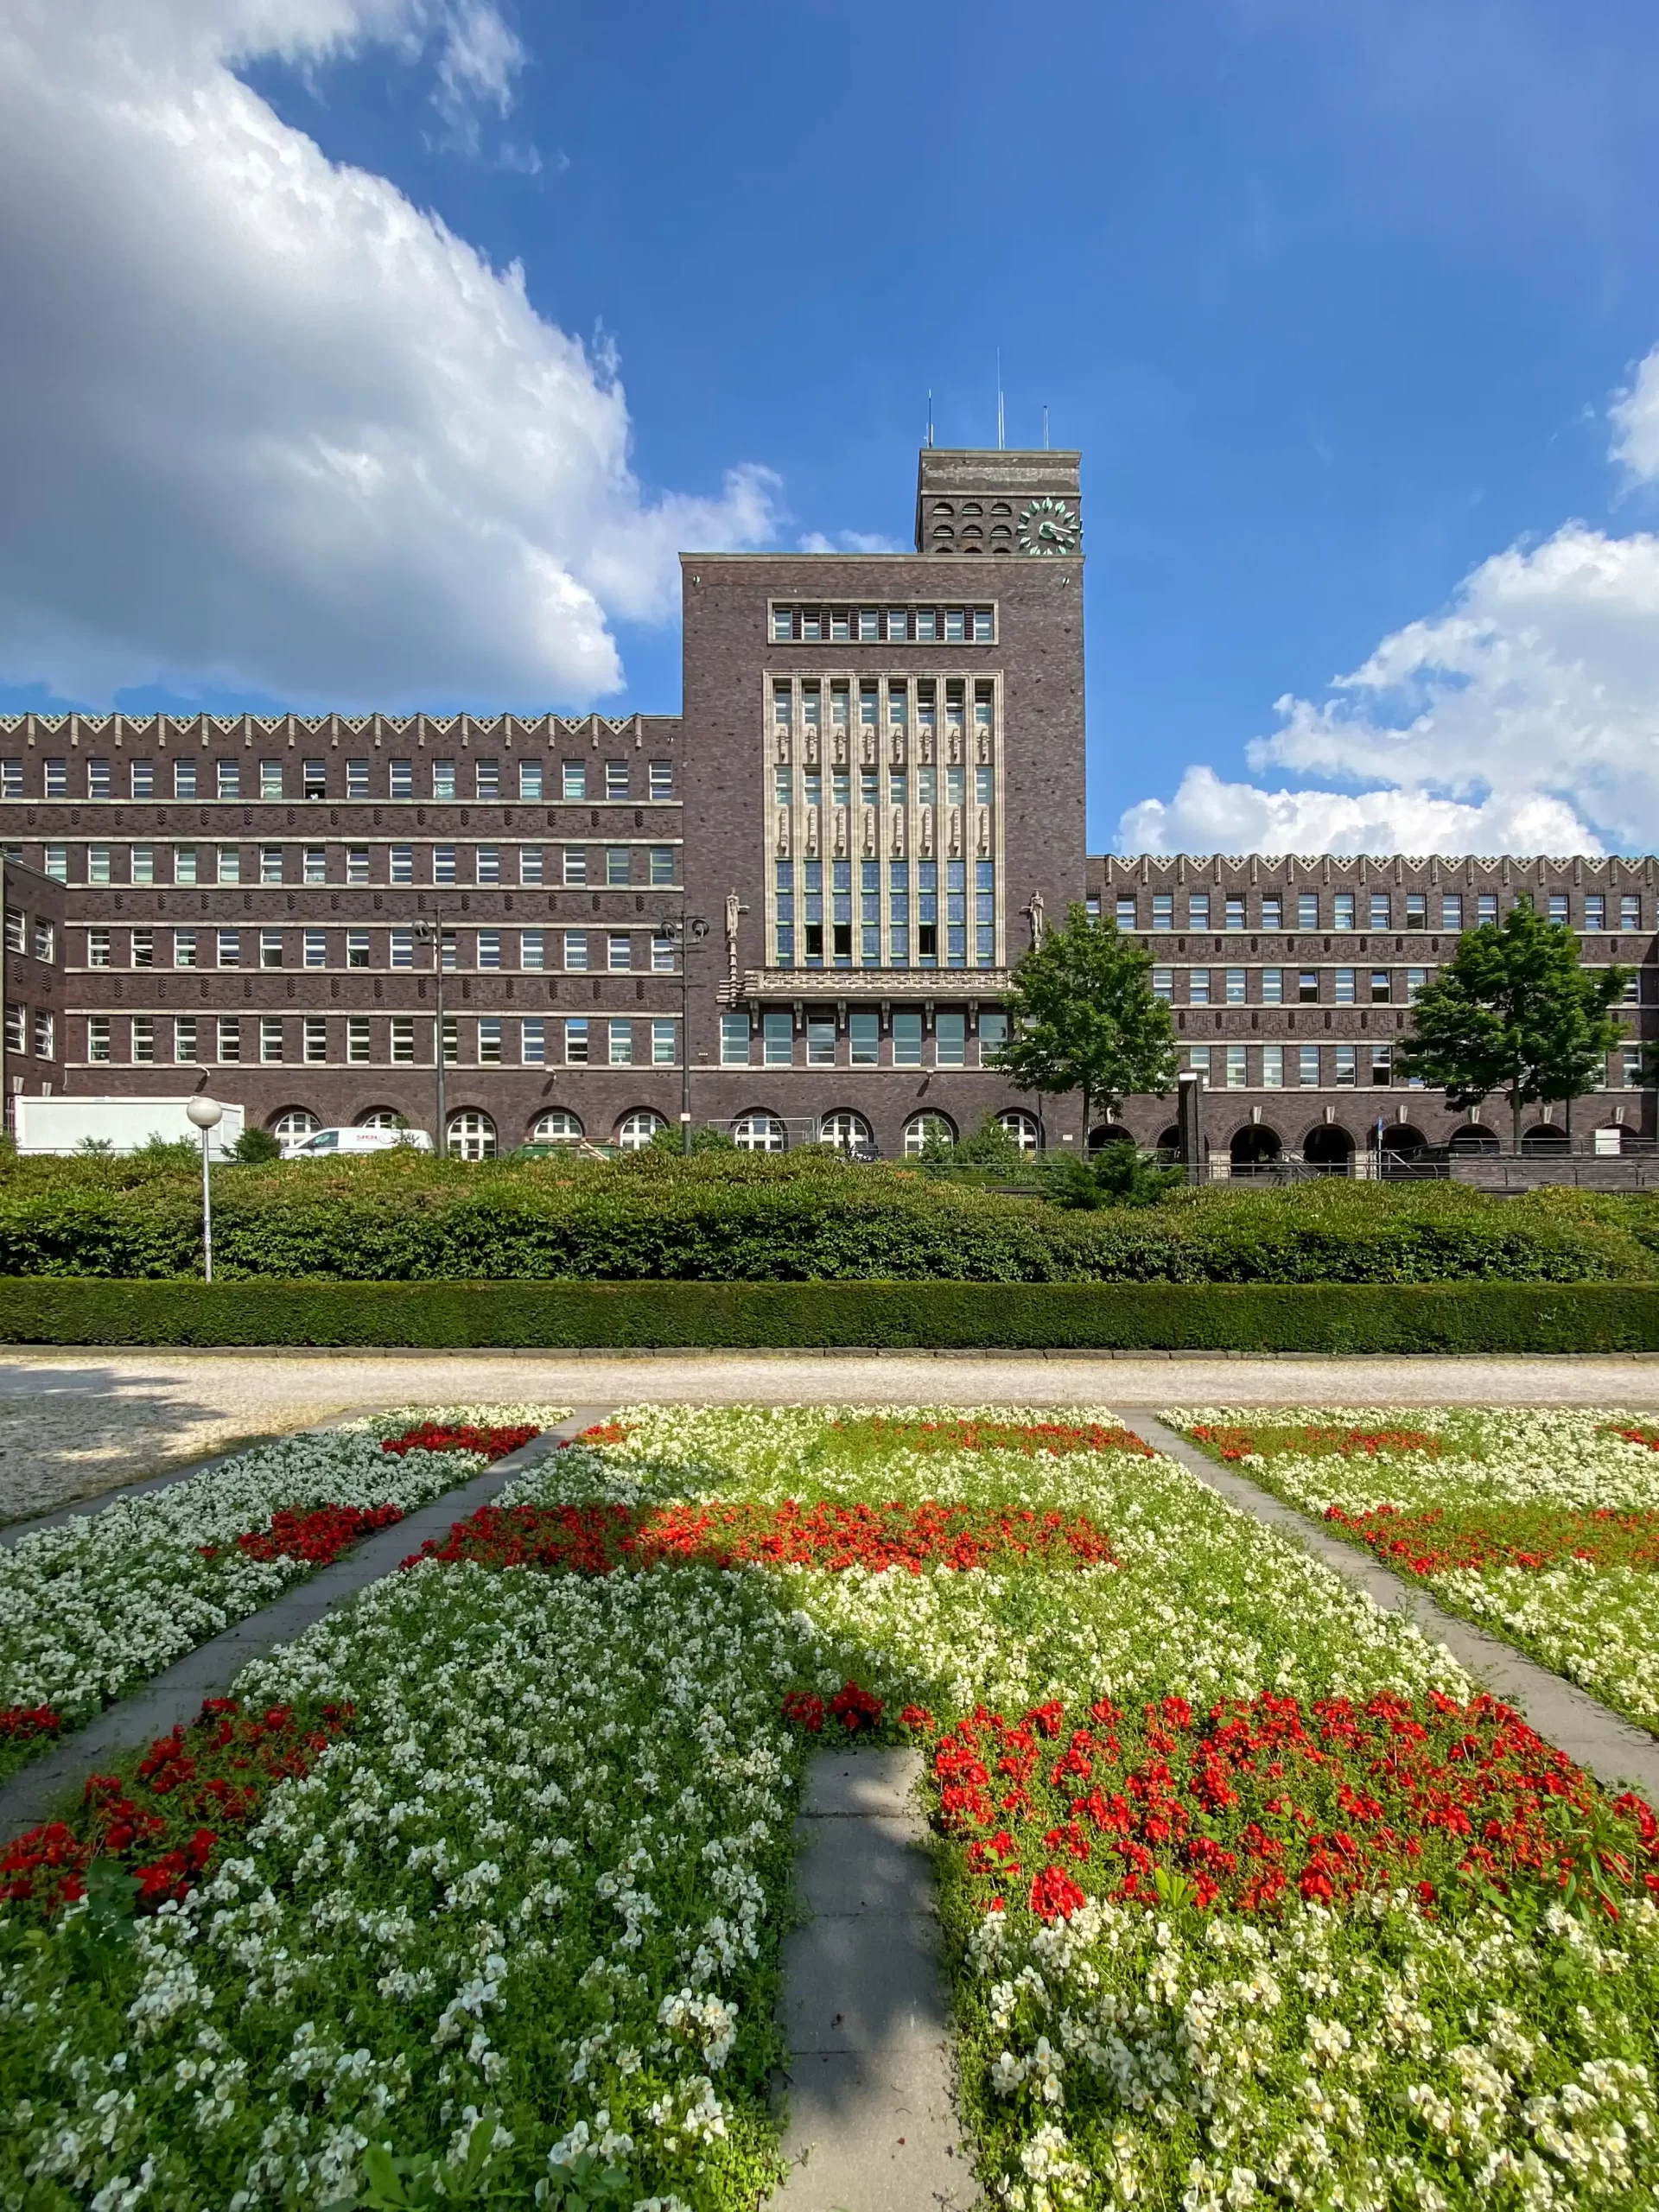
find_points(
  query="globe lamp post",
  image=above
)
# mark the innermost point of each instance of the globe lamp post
(206, 1113)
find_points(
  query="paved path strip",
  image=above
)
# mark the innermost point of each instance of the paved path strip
(1613, 1750)
(175, 1695)
(279, 1388)
(871, 2075)
(88, 1507)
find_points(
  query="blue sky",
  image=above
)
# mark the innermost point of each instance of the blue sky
(1338, 301)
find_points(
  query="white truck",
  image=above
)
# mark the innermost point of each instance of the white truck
(123, 1124)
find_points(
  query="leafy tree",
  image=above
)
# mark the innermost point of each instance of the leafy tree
(1513, 1012)
(1083, 1017)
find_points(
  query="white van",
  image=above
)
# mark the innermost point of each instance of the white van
(328, 1144)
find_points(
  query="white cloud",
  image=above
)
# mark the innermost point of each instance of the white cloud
(1208, 815)
(1524, 717)
(263, 422)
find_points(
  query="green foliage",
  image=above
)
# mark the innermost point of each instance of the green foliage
(1116, 1175)
(990, 1146)
(1083, 1017)
(668, 1140)
(1467, 1317)
(1513, 1012)
(255, 1147)
(809, 1216)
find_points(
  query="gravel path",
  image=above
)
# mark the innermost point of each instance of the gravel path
(75, 1424)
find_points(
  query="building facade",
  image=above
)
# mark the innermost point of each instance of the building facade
(873, 796)
(1291, 979)
(804, 892)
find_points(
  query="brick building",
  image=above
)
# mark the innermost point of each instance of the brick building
(1291, 982)
(872, 798)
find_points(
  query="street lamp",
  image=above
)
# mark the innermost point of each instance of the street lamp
(685, 931)
(432, 931)
(206, 1113)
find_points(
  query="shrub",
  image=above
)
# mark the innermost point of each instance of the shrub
(729, 1216)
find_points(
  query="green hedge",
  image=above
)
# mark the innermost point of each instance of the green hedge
(803, 1218)
(1256, 1317)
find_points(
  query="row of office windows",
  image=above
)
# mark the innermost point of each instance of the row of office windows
(272, 865)
(1354, 909)
(320, 1039)
(907, 699)
(1306, 985)
(816, 1045)
(1313, 1067)
(191, 778)
(38, 936)
(951, 916)
(23, 1025)
(875, 625)
(530, 952)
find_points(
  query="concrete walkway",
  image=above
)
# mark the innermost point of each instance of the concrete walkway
(175, 1695)
(872, 2111)
(1612, 1749)
(73, 1424)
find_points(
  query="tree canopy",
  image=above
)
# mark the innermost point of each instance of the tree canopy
(1083, 1017)
(1514, 1012)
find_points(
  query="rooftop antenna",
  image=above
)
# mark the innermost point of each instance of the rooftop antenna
(930, 422)
(999, 399)
(1045, 430)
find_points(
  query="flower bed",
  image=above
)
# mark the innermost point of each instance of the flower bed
(1542, 1526)
(597, 1539)
(518, 1916)
(106, 1600)
(536, 1884)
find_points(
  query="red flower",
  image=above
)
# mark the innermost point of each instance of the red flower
(1054, 1894)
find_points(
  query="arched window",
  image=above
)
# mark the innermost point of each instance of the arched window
(557, 1127)
(1022, 1127)
(760, 1133)
(471, 1135)
(635, 1131)
(844, 1132)
(942, 507)
(380, 1117)
(920, 1127)
(293, 1123)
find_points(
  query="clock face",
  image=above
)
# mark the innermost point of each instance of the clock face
(1048, 526)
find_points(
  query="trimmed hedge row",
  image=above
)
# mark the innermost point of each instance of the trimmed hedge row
(1169, 1317)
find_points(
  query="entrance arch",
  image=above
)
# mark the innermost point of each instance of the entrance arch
(1401, 1140)
(1543, 1140)
(1255, 1145)
(1471, 1140)
(1105, 1133)
(1329, 1147)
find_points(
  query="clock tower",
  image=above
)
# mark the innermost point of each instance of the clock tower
(1020, 504)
